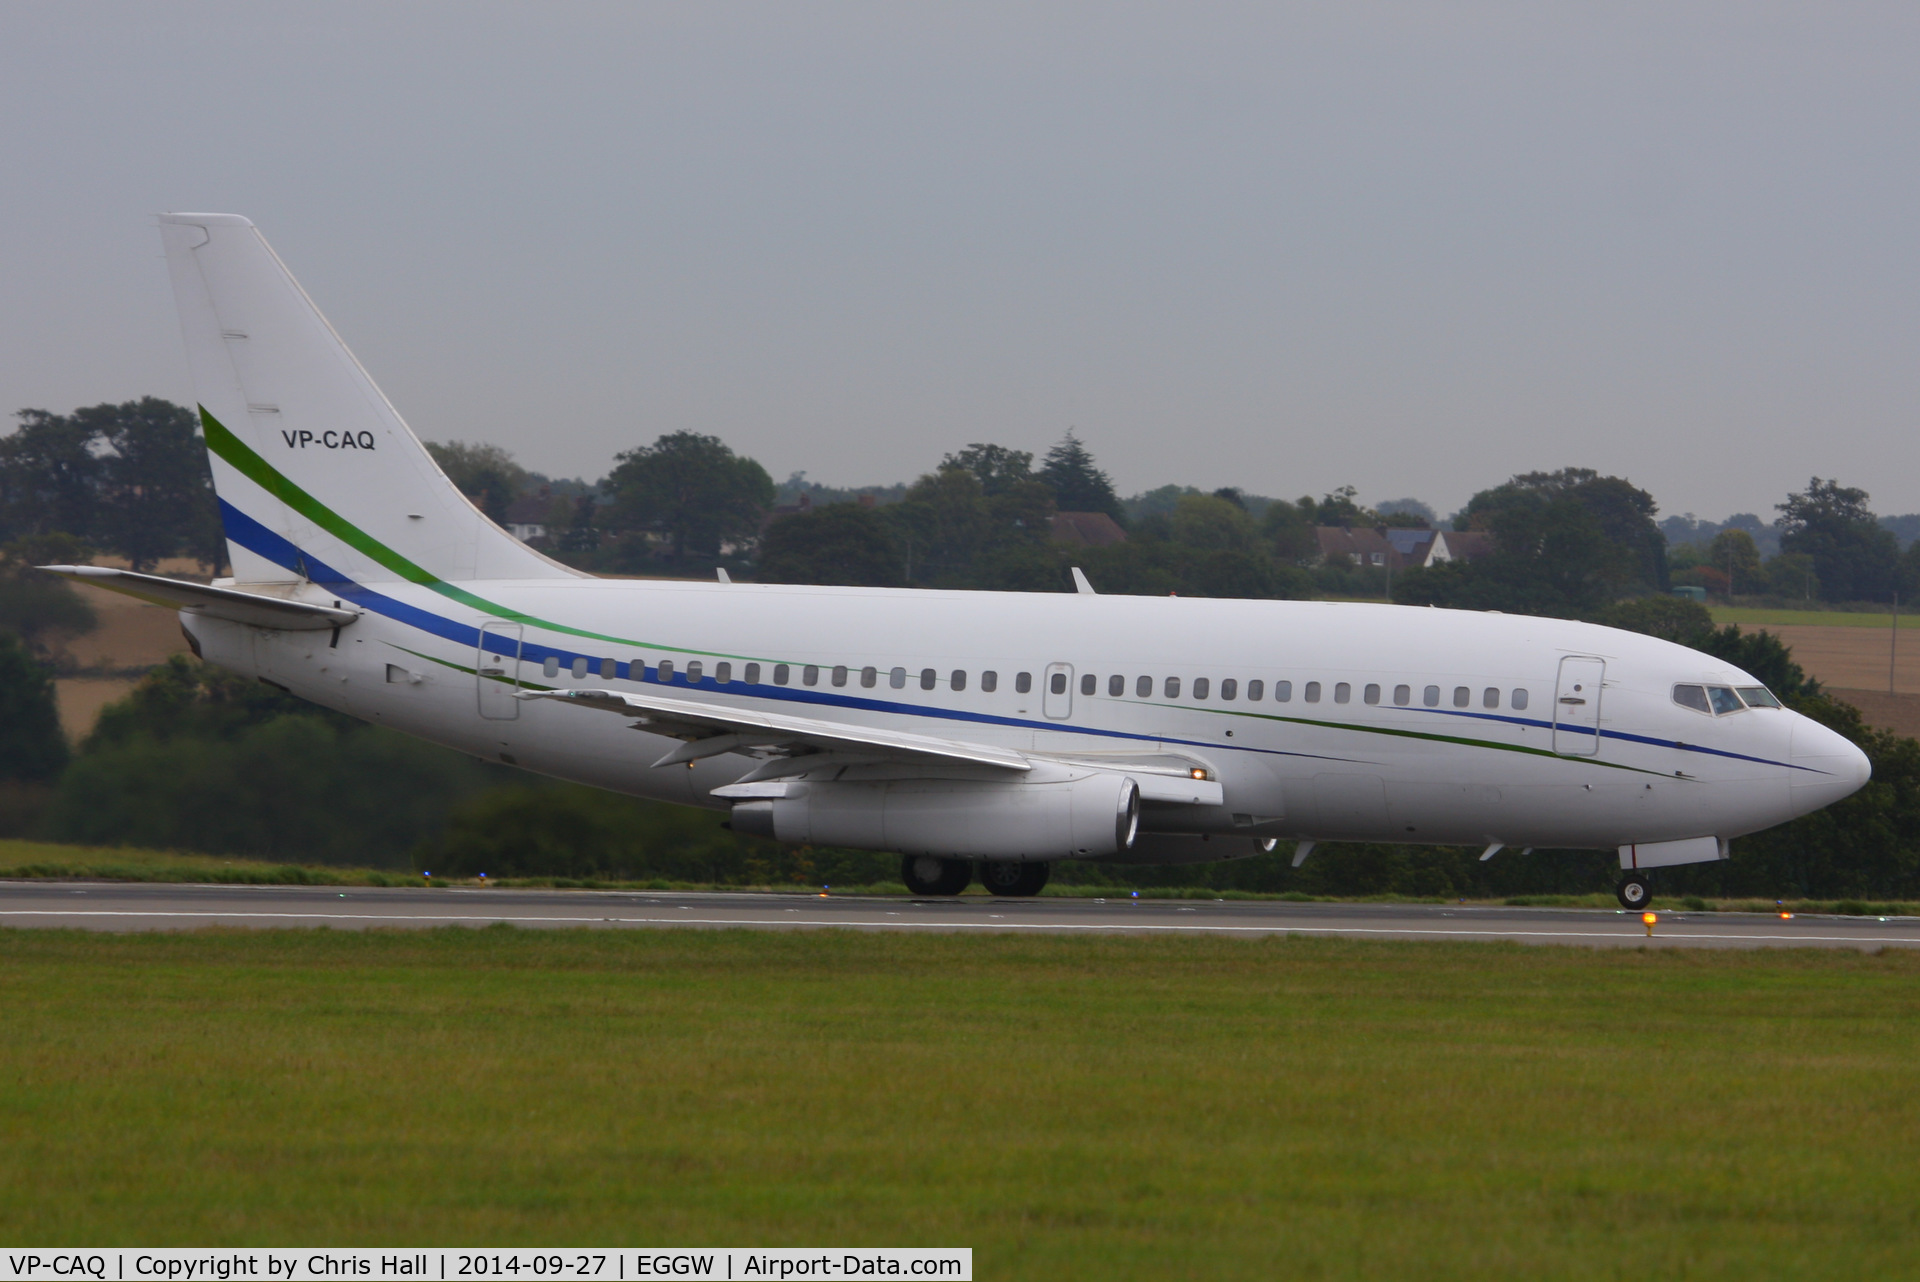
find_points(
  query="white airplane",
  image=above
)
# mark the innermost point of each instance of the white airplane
(1003, 730)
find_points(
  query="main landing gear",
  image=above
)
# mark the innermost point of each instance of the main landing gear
(931, 875)
(1007, 877)
(928, 875)
(1634, 891)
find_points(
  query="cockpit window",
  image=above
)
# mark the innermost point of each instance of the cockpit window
(1692, 697)
(1758, 697)
(1724, 700)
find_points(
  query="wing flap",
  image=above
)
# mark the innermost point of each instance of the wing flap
(234, 604)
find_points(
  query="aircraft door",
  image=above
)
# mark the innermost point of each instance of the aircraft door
(1576, 706)
(497, 671)
(1058, 700)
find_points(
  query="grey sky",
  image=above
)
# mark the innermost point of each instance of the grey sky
(1414, 247)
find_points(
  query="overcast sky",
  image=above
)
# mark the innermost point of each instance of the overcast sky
(1411, 247)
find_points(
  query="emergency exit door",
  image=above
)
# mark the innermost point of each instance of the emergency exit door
(496, 667)
(1576, 706)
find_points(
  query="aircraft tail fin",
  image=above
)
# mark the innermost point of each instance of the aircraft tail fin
(318, 476)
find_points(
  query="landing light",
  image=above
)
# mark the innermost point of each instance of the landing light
(1197, 773)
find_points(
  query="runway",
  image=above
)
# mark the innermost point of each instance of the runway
(116, 906)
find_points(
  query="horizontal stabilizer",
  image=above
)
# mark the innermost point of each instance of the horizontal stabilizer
(713, 728)
(253, 608)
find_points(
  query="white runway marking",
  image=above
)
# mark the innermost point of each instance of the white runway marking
(1674, 931)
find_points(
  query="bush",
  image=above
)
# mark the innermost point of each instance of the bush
(31, 745)
(573, 831)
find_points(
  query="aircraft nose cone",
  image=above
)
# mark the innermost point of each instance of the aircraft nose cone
(1827, 766)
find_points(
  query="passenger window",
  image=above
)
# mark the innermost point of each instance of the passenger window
(897, 678)
(693, 673)
(723, 672)
(1229, 688)
(1116, 686)
(579, 667)
(607, 669)
(810, 675)
(1342, 692)
(1088, 683)
(1256, 690)
(1519, 700)
(1403, 695)
(1692, 697)
(1490, 698)
(1371, 694)
(989, 681)
(1724, 700)
(753, 674)
(1283, 692)
(1312, 692)
(1058, 683)
(1143, 688)
(869, 678)
(1173, 687)
(1758, 697)
(664, 669)
(1431, 696)
(1201, 687)
(780, 671)
(958, 680)
(927, 678)
(839, 674)
(1462, 696)
(1022, 682)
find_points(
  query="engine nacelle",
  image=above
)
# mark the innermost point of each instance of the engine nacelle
(1083, 817)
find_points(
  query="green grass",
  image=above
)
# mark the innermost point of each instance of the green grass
(1071, 1108)
(42, 859)
(1767, 616)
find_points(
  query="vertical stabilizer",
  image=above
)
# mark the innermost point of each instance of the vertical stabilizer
(318, 476)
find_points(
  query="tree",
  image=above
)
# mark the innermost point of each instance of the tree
(31, 744)
(1623, 515)
(1289, 530)
(997, 468)
(49, 477)
(1735, 554)
(1854, 556)
(1077, 484)
(132, 476)
(694, 489)
(1339, 508)
(155, 485)
(1551, 557)
(36, 606)
(486, 474)
(842, 543)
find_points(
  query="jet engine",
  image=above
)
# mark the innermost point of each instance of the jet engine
(1082, 817)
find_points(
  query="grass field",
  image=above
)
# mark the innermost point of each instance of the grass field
(1084, 1108)
(1764, 616)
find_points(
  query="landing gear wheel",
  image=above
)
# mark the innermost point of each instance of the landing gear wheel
(1634, 892)
(928, 875)
(1008, 877)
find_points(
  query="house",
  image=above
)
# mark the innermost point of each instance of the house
(1390, 547)
(1087, 530)
(529, 516)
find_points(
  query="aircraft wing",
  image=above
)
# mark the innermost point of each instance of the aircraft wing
(710, 729)
(786, 743)
(254, 608)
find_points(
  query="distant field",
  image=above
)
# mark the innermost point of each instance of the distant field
(1084, 1108)
(1762, 617)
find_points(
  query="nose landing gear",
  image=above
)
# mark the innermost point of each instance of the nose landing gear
(1634, 891)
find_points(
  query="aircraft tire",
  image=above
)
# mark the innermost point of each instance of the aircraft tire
(1014, 879)
(929, 875)
(1634, 892)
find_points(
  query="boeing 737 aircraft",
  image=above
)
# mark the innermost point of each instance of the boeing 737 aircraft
(967, 731)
